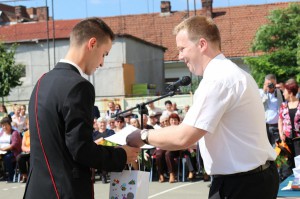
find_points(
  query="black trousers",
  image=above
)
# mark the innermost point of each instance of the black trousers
(22, 160)
(273, 133)
(261, 185)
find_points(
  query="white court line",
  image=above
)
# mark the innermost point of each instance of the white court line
(168, 190)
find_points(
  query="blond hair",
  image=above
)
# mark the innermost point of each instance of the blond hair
(200, 27)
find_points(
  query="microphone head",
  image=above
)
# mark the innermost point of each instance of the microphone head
(186, 80)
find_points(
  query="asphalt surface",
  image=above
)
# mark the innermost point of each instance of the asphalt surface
(189, 190)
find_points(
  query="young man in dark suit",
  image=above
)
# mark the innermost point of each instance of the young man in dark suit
(61, 121)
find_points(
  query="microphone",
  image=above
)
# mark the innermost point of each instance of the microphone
(184, 81)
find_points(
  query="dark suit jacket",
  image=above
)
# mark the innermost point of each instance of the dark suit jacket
(64, 109)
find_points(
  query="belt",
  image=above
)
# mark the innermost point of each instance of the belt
(256, 170)
(276, 125)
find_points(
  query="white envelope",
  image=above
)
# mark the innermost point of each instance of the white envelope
(120, 137)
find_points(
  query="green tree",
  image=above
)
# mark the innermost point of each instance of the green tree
(278, 42)
(193, 86)
(10, 72)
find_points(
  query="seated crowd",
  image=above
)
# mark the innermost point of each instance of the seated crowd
(15, 139)
(14, 143)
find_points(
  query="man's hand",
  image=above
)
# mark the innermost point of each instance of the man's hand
(265, 87)
(134, 139)
(131, 153)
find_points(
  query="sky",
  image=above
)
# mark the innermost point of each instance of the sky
(78, 9)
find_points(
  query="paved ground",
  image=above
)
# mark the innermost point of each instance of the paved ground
(179, 190)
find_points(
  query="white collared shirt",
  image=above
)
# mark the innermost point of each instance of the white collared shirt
(73, 64)
(228, 106)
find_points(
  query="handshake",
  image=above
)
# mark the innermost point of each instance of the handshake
(134, 139)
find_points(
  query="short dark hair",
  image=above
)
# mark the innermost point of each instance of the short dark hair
(120, 118)
(6, 120)
(91, 27)
(168, 102)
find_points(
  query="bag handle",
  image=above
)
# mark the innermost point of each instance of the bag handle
(40, 138)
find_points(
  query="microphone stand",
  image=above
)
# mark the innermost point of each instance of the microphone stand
(143, 110)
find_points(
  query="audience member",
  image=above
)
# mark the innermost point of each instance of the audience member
(280, 86)
(168, 155)
(118, 107)
(13, 110)
(160, 154)
(164, 121)
(112, 109)
(10, 143)
(23, 158)
(185, 110)
(95, 125)
(102, 132)
(168, 111)
(127, 116)
(153, 120)
(135, 122)
(111, 124)
(99, 138)
(3, 109)
(175, 108)
(23, 110)
(272, 99)
(145, 121)
(119, 123)
(18, 118)
(289, 119)
(3, 112)
(152, 108)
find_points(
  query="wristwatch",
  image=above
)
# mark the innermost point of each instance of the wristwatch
(144, 136)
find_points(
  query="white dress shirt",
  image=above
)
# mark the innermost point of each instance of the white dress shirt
(228, 106)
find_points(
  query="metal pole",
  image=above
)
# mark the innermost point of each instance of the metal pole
(53, 29)
(188, 8)
(48, 46)
(195, 11)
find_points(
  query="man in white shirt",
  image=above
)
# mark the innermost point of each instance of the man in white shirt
(272, 98)
(112, 110)
(152, 108)
(227, 114)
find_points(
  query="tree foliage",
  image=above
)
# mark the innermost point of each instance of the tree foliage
(193, 86)
(10, 72)
(279, 43)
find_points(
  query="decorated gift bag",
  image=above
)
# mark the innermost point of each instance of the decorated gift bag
(129, 184)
